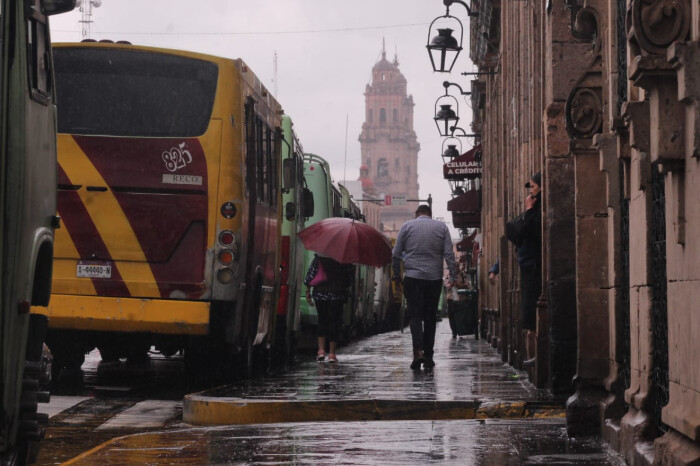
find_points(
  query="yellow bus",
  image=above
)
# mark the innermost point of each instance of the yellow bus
(169, 174)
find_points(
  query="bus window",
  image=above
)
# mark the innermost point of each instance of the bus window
(260, 158)
(38, 62)
(142, 94)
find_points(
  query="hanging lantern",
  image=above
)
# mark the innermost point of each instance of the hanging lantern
(444, 47)
(446, 118)
(451, 148)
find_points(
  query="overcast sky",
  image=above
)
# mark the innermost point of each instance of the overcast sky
(325, 53)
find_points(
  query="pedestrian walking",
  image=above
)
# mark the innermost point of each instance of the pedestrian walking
(327, 282)
(422, 245)
(453, 299)
(528, 241)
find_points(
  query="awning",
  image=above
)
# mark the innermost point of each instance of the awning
(466, 166)
(467, 202)
(466, 220)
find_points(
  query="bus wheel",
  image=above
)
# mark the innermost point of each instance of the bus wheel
(31, 423)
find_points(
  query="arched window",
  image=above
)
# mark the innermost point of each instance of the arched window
(396, 116)
(382, 168)
(369, 163)
(382, 116)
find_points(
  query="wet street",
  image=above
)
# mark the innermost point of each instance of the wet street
(370, 408)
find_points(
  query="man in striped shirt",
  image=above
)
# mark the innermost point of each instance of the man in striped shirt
(422, 244)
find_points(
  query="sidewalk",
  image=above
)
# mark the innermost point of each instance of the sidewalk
(471, 409)
(373, 381)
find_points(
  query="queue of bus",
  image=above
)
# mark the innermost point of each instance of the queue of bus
(181, 189)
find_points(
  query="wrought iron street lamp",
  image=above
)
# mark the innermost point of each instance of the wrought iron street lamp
(443, 47)
(451, 151)
(446, 118)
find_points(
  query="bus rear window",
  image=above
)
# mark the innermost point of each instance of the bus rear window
(111, 92)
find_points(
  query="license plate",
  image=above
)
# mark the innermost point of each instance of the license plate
(94, 271)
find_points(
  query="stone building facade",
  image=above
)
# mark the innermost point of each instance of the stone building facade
(388, 142)
(602, 97)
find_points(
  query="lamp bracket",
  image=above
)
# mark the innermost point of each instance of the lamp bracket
(479, 73)
(455, 134)
(447, 84)
(449, 3)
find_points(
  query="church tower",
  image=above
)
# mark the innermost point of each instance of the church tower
(388, 142)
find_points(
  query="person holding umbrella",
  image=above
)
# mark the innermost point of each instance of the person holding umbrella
(330, 281)
(339, 243)
(422, 244)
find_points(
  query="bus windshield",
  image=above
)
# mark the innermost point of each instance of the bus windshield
(111, 92)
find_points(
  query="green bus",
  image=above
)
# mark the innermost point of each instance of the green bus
(28, 212)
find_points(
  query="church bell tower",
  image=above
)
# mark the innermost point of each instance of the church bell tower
(388, 142)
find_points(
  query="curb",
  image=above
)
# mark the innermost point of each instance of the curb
(209, 411)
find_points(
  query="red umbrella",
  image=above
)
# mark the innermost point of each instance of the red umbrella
(347, 241)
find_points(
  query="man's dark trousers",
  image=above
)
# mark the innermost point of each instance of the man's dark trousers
(422, 298)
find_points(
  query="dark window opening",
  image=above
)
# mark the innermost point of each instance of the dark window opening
(382, 168)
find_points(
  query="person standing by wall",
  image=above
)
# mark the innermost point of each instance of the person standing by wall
(530, 263)
(422, 245)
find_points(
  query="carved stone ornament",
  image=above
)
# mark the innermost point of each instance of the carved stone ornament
(584, 105)
(656, 24)
(585, 113)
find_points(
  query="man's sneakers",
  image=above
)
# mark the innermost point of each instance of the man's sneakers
(320, 356)
(428, 364)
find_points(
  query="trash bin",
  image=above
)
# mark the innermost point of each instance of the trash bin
(466, 316)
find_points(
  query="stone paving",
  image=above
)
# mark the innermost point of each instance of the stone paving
(468, 373)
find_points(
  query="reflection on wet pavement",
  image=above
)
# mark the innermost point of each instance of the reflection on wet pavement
(377, 368)
(373, 372)
(490, 442)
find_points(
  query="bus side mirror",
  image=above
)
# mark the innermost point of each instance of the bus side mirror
(289, 169)
(290, 210)
(54, 7)
(308, 203)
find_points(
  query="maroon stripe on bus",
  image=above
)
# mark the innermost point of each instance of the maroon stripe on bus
(82, 230)
(161, 185)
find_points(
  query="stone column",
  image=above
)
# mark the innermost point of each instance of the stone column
(583, 408)
(681, 445)
(559, 238)
(636, 426)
